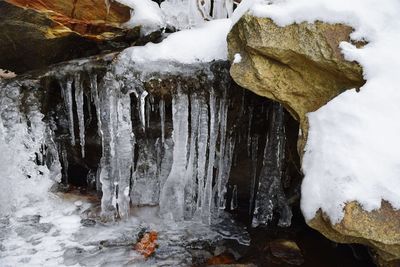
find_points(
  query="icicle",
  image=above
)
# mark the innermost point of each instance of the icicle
(270, 194)
(229, 7)
(254, 154)
(223, 159)
(159, 151)
(96, 100)
(191, 170)
(40, 156)
(98, 183)
(234, 200)
(251, 108)
(207, 194)
(67, 94)
(80, 112)
(142, 104)
(172, 193)
(98, 105)
(108, 119)
(152, 103)
(149, 173)
(219, 9)
(148, 111)
(64, 161)
(202, 140)
(162, 119)
(124, 153)
(196, 12)
(205, 7)
(228, 158)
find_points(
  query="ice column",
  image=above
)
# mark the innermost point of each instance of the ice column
(80, 112)
(162, 118)
(191, 170)
(202, 141)
(270, 194)
(67, 94)
(172, 193)
(207, 204)
(124, 153)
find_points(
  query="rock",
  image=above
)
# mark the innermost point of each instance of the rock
(30, 40)
(33, 219)
(287, 251)
(6, 74)
(235, 265)
(224, 258)
(379, 229)
(87, 17)
(35, 34)
(88, 222)
(299, 65)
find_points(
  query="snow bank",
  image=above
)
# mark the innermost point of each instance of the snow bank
(353, 143)
(205, 43)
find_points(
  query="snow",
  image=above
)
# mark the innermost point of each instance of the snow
(352, 148)
(199, 41)
(237, 58)
(145, 13)
(202, 44)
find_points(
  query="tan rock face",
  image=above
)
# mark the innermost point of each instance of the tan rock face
(36, 33)
(301, 66)
(86, 17)
(379, 229)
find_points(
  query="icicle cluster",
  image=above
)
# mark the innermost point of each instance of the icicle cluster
(187, 13)
(187, 172)
(270, 195)
(176, 154)
(192, 187)
(28, 159)
(186, 181)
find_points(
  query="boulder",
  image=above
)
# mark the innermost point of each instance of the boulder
(379, 229)
(301, 66)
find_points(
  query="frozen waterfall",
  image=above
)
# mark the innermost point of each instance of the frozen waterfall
(179, 149)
